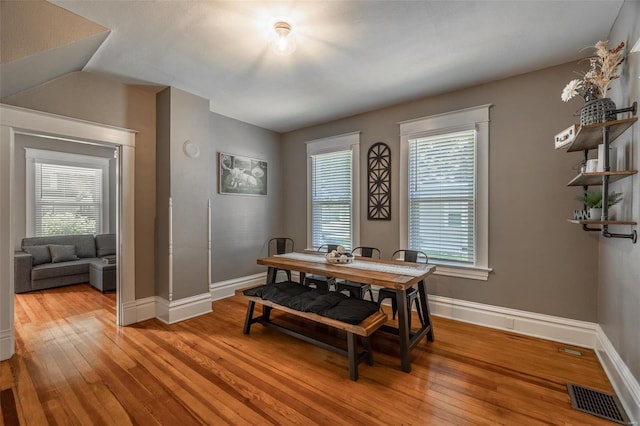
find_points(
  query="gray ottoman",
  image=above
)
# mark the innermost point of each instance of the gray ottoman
(103, 276)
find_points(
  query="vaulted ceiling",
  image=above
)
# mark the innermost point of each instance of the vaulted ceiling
(351, 56)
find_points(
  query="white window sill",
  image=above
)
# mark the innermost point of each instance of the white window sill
(469, 272)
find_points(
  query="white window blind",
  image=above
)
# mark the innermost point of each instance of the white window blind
(442, 196)
(331, 199)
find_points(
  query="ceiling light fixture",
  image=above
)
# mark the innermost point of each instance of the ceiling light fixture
(284, 40)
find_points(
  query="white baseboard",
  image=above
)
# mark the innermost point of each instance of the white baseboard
(139, 310)
(174, 311)
(626, 386)
(145, 308)
(7, 344)
(224, 289)
(564, 330)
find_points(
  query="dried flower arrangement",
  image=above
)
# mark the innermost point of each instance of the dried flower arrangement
(605, 64)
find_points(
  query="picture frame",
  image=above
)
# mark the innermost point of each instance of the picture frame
(240, 175)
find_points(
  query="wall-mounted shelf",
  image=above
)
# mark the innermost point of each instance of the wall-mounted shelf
(595, 178)
(588, 137)
(601, 222)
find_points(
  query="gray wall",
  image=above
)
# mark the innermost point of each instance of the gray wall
(28, 141)
(187, 119)
(541, 262)
(619, 268)
(99, 99)
(242, 224)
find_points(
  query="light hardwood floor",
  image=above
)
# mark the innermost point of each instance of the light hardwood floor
(73, 366)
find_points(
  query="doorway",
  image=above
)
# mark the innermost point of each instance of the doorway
(13, 121)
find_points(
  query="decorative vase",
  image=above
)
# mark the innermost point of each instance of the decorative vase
(597, 111)
(595, 213)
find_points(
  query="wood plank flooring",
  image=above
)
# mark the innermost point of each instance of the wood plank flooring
(73, 366)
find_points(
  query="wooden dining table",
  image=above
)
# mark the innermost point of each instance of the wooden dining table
(394, 274)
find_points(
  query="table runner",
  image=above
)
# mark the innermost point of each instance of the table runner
(414, 271)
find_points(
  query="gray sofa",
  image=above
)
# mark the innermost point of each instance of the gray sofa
(55, 261)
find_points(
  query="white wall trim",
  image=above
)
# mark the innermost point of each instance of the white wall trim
(223, 289)
(626, 386)
(139, 310)
(170, 249)
(564, 330)
(174, 311)
(7, 344)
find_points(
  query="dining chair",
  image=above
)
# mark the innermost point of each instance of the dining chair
(281, 245)
(318, 281)
(359, 290)
(412, 293)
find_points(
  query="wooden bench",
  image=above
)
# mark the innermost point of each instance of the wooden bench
(363, 329)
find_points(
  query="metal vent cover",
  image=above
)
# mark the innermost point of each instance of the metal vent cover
(597, 403)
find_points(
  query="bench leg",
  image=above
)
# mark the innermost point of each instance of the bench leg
(366, 342)
(249, 318)
(266, 312)
(352, 349)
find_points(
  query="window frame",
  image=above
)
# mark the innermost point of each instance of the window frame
(69, 159)
(465, 119)
(344, 142)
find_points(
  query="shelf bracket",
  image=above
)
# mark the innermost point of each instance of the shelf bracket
(586, 228)
(633, 236)
(633, 109)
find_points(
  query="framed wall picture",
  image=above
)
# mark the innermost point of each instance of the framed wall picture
(241, 175)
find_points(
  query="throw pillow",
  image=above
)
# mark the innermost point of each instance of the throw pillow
(62, 253)
(40, 254)
(105, 244)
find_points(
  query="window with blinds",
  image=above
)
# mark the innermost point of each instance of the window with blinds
(68, 199)
(442, 196)
(66, 193)
(331, 199)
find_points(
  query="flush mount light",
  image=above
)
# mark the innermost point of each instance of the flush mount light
(284, 41)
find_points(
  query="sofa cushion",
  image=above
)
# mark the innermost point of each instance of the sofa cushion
(62, 253)
(53, 270)
(105, 244)
(85, 244)
(40, 254)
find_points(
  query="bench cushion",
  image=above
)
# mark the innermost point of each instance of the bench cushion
(305, 299)
(351, 310)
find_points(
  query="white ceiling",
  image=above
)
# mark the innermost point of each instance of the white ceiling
(351, 57)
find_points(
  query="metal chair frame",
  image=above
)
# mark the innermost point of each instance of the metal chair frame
(280, 246)
(359, 290)
(318, 281)
(412, 293)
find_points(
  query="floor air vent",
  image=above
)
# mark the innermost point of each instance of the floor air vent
(597, 403)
